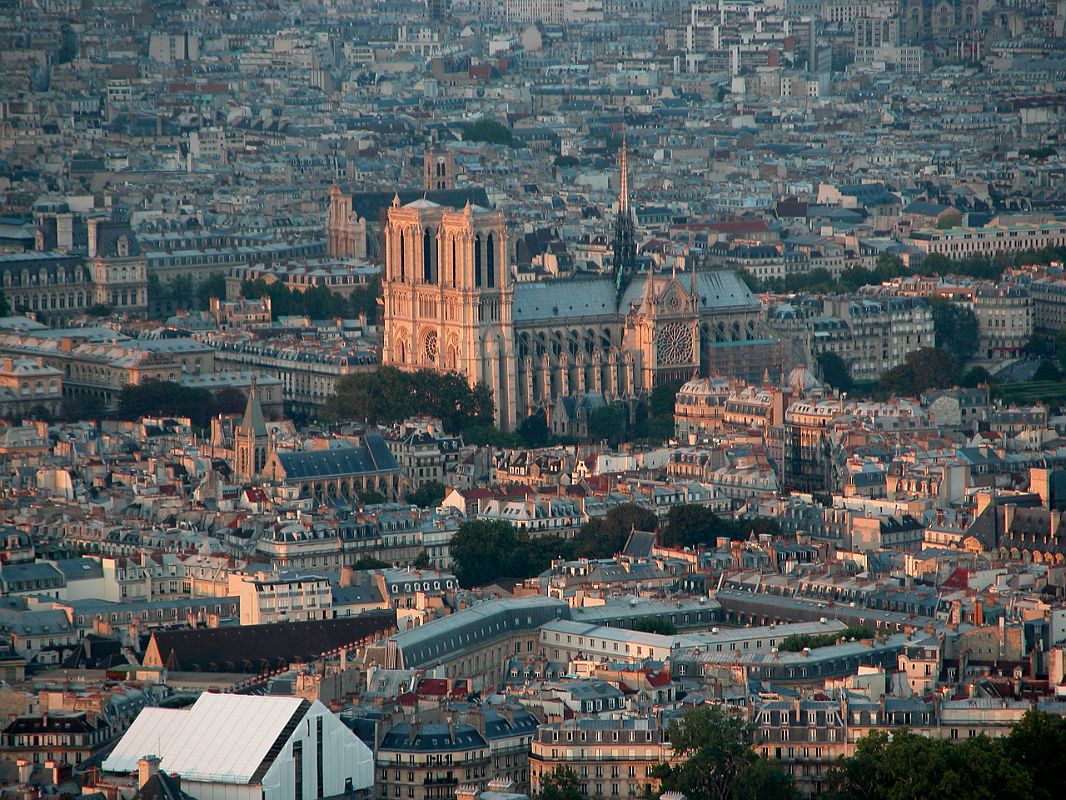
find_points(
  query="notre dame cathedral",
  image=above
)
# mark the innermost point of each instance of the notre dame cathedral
(451, 303)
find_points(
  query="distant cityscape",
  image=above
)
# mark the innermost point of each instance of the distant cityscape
(532, 399)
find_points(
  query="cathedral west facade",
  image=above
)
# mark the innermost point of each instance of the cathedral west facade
(451, 303)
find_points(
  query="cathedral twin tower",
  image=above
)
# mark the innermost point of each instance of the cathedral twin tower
(447, 291)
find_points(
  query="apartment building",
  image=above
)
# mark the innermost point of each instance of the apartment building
(29, 386)
(267, 597)
(610, 757)
(1049, 304)
(956, 243)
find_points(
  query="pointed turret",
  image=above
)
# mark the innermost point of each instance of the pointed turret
(625, 242)
(253, 422)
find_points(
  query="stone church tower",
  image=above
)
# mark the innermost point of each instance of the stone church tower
(345, 230)
(447, 292)
(251, 441)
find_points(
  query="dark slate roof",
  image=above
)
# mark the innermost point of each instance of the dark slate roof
(248, 648)
(640, 544)
(371, 205)
(373, 456)
(433, 737)
(107, 235)
(499, 726)
(63, 722)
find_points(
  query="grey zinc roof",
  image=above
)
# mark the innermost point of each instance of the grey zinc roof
(595, 296)
(373, 456)
(438, 640)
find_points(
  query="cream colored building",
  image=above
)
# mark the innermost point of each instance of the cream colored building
(29, 386)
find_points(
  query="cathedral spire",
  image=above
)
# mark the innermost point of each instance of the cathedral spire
(625, 241)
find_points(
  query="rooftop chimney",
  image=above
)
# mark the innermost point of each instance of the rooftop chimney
(147, 767)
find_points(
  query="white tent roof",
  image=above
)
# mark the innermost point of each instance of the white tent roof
(221, 737)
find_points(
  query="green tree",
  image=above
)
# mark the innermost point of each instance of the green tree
(1038, 745)
(718, 762)
(606, 536)
(835, 371)
(566, 162)
(5, 307)
(938, 264)
(366, 563)
(488, 130)
(889, 266)
(371, 497)
(428, 495)
(922, 370)
(975, 376)
(1060, 347)
(534, 430)
(559, 784)
(690, 525)
(213, 286)
(422, 561)
(956, 329)
(485, 550)
(1047, 371)
(606, 423)
(908, 765)
(659, 625)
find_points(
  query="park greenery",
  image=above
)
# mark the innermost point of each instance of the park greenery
(717, 762)
(1029, 763)
(318, 302)
(388, 395)
(922, 370)
(428, 495)
(488, 130)
(955, 327)
(660, 625)
(487, 550)
(799, 641)
(484, 550)
(169, 399)
(692, 525)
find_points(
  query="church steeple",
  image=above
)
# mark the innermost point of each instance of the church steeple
(252, 440)
(625, 242)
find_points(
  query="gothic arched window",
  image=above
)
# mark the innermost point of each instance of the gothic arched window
(490, 261)
(427, 256)
(403, 254)
(477, 261)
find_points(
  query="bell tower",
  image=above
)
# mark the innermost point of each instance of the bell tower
(447, 291)
(251, 439)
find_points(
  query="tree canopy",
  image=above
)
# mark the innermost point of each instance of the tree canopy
(428, 495)
(318, 302)
(388, 395)
(718, 762)
(488, 130)
(956, 329)
(660, 625)
(486, 550)
(835, 371)
(166, 398)
(560, 784)
(922, 370)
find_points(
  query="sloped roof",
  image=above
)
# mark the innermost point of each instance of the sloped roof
(373, 456)
(220, 738)
(246, 648)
